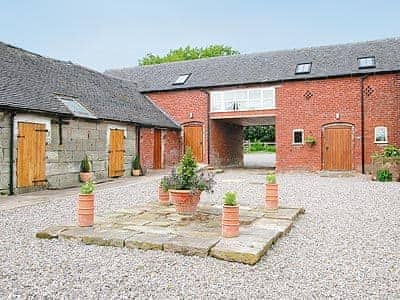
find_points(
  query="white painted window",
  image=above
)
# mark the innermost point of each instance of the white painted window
(243, 99)
(366, 62)
(381, 135)
(298, 137)
(304, 68)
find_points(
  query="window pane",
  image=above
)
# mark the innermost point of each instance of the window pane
(380, 134)
(298, 137)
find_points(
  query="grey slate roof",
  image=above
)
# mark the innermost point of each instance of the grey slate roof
(30, 81)
(336, 60)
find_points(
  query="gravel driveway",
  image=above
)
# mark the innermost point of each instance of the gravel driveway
(345, 246)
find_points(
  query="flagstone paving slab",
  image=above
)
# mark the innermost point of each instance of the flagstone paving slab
(155, 227)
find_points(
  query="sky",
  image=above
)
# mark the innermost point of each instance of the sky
(113, 34)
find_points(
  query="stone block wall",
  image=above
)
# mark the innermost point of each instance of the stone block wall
(4, 152)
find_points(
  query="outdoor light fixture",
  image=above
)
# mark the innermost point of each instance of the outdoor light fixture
(337, 116)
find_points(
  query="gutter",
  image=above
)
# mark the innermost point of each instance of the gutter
(362, 124)
(11, 149)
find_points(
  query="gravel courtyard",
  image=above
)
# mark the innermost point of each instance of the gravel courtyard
(346, 245)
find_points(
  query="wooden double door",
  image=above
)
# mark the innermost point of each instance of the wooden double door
(31, 154)
(337, 148)
(193, 139)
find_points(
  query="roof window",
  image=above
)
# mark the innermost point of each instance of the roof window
(303, 68)
(366, 62)
(77, 109)
(182, 79)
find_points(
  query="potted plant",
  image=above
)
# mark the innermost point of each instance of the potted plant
(271, 191)
(86, 205)
(163, 194)
(310, 140)
(136, 167)
(230, 216)
(384, 175)
(185, 185)
(85, 174)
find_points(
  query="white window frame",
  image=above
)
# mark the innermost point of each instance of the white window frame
(386, 135)
(246, 100)
(302, 136)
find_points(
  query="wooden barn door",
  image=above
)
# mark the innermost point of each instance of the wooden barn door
(193, 137)
(337, 148)
(116, 153)
(31, 154)
(157, 149)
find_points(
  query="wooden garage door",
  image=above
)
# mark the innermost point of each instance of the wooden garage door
(31, 154)
(337, 148)
(157, 149)
(193, 137)
(116, 153)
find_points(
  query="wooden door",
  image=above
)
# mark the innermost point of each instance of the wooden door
(193, 137)
(337, 148)
(157, 149)
(31, 154)
(116, 153)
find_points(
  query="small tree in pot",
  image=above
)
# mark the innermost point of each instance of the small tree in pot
(85, 174)
(271, 191)
(230, 216)
(86, 205)
(185, 185)
(163, 194)
(136, 167)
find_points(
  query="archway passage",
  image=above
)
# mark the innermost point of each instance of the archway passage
(337, 148)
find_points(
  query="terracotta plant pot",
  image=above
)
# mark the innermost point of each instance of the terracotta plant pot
(136, 172)
(85, 176)
(185, 201)
(271, 196)
(86, 210)
(163, 196)
(230, 221)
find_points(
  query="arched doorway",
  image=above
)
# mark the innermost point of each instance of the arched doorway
(337, 147)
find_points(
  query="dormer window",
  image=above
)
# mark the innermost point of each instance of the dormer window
(366, 62)
(77, 109)
(304, 68)
(181, 79)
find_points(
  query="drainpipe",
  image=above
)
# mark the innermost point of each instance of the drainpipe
(362, 125)
(11, 149)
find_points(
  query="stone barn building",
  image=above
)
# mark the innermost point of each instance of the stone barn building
(53, 112)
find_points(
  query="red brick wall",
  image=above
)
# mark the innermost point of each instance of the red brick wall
(179, 104)
(172, 147)
(226, 144)
(147, 147)
(331, 96)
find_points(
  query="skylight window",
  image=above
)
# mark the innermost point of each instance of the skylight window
(366, 62)
(304, 68)
(181, 79)
(77, 109)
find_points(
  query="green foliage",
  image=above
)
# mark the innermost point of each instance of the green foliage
(271, 178)
(85, 164)
(185, 177)
(311, 140)
(187, 169)
(260, 133)
(391, 151)
(188, 53)
(384, 175)
(230, 198)
(136, 163)
(87, 188)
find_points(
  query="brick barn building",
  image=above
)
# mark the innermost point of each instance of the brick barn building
(345, 97)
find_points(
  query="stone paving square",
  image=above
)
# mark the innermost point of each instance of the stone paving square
(155, 227)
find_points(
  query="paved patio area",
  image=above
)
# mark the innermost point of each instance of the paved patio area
(155, 227)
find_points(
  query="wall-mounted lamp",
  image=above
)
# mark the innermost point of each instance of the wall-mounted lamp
(191, 115)
(337, 116)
